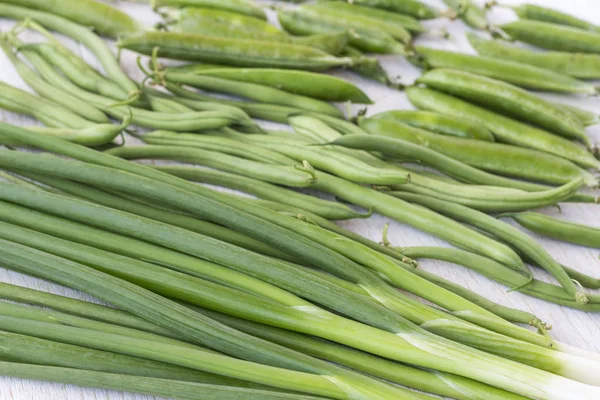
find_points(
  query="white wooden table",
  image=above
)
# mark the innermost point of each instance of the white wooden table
(570, 326)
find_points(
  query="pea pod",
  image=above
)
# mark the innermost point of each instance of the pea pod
(285, 175)
(45, 111)
(245, 7)
(506, 99)
(470, 13)
(410, 23)
(587, 118)
(504, 129)
(438, 123)
(517, 73)
(303, 83)
(367, 67)
(366, 38)
(545, 14)
(493, 157)
(356, 21)
(577, 65)
(252, 91)
(410, 7)
(237, 52)
(565, 231)
(553, 36)
(193, 17)
(104, 19)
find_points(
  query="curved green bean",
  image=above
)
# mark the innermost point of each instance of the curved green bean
(493, 157)
(508, 100)
(366, 38)
(545, 14)
(439, 123)
(410, 7)
(253, 91)
(104, 19)
(78, 33)
(505, 129)
(519, 74)
(553, 36)
(245, 7)
(577, 65)
(356, 21)
(45, 111)
(96, 135)
(503, 231)
(236, 52)
(303, 83)
(323, 208)
(285, 175)
(558, 229)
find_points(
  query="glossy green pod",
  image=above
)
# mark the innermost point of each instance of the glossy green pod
(245, 7)
(410, 7)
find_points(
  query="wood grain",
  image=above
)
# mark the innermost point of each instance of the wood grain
(573, 327)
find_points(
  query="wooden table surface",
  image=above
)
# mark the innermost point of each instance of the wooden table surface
(569, 326)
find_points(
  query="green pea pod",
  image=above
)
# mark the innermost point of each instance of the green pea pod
(470, 13)
(303, 83)
(104, 19)
(438, 123)
(284, 175)
(553, 36)
(245, 7)
(237, 52)
(565, 231)
(493, 157)
(577, 65)
(410, 7)
(45, 111)
(194, 17)
(517, 73)
(410, 23)
(504, 129)
(254, 91)
(368, 67)
(369, 39)
(508, 100)
(587, 118)
(545, 14)
(357, 21)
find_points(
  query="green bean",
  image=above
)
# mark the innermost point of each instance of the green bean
(366, 38)
(357, 21)
(104, 19)
(333, 43)
(303, 83)
(587, 118)
(32, 350)
(236, 52)
(553, 36)
(85, 78)
(507, 99)
(313, 129)
(253, 91)
(245, 7)
(49, 92)
(360, 361)
(504, 232)
(438, 123)
(172, 218)
(195, 17)
(340, 125)
(79, 33)
(45, 111)
(517, 73)
(79, 308)
(577, 65)
(215, 143)
(148, 385)
(505, 129)
(493, 157)
(421, 154)
(539, 13)
(286, 175)
(410, 23)
(367, 67)
(565, 231)
(470, 13)
(410, 7)
(323, 208)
